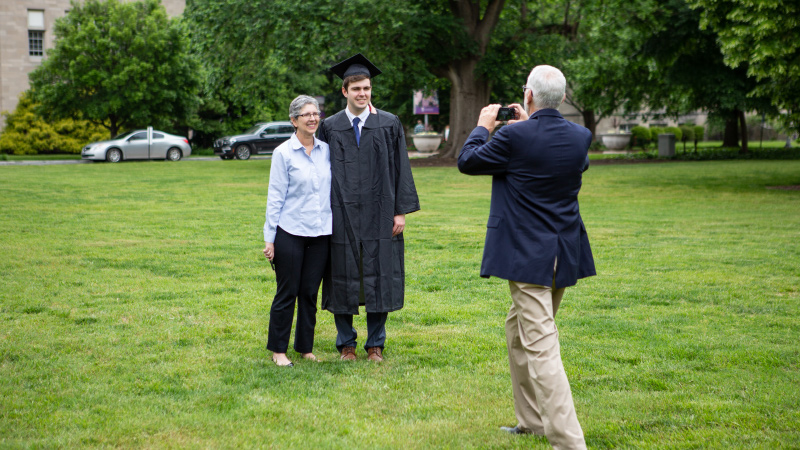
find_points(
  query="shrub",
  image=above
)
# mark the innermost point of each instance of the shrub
(655, 131)
(641, 136)
(699, 133)
(688, 134)
(676, 131)
(28, 134)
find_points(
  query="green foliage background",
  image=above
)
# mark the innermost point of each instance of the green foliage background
(121, 65)
(227, 64)
(26, 133)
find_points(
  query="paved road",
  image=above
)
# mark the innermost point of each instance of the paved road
(86, 161)
(192, 158)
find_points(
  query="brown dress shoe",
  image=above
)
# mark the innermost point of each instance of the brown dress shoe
(375, 354)
(348, 354)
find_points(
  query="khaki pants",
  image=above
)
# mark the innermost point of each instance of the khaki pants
(542, 397)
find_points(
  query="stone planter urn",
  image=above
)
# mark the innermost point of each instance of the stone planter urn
(616, 141)
(427, 143)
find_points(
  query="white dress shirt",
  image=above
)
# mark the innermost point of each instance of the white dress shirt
(363, 116)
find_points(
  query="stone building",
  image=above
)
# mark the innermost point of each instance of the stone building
(26, 33)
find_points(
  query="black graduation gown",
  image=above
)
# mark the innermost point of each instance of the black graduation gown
(371, 184)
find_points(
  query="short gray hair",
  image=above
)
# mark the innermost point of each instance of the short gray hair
(548, 86)
(299, 103)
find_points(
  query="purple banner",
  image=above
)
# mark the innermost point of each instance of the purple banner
(426, 104)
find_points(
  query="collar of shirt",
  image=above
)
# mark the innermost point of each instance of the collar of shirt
(295, 144)
(363, 116)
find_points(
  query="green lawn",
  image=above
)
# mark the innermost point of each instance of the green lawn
(134, 305)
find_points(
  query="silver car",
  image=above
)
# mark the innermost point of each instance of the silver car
(139, 144)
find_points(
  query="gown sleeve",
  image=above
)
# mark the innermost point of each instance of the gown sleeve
(406, 199)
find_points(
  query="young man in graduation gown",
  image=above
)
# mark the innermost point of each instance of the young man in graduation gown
(372, 190)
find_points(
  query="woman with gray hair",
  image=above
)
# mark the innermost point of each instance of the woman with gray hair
(297, 230)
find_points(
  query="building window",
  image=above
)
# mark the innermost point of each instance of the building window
(35, 32)
(35, 43)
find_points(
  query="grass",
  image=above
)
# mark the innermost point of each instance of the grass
(135, 300)
(44, 157)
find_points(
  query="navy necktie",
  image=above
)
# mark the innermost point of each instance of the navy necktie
(355, 128)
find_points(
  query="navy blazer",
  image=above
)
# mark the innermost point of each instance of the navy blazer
(536, 167)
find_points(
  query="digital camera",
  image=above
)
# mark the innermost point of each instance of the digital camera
(505, 114)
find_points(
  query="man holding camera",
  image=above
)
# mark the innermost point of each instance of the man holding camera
(536, 240)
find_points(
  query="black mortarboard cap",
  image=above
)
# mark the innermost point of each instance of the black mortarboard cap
(356, 65)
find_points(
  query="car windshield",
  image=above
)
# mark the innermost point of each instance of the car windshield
(253, 130)
(120, 136)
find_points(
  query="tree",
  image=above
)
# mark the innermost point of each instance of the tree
(763, 37)
(26, 133)
(416, 43)
(689, 74)
(474, 52)
(119, 65)
(255, 59)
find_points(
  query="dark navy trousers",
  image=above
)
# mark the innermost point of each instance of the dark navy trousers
(299, 265)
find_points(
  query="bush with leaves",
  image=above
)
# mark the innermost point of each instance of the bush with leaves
(687, 134)
(28, 134)
(641, 136)
(122, 65)
(676, 131)
(699, 132)
(655, 131)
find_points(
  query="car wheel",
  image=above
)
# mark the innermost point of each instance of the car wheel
(114, 155)
(243, 152)
(174, 154)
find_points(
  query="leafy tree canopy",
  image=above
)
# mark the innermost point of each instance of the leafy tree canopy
(764, 37)
(261, 53)
(120, 65)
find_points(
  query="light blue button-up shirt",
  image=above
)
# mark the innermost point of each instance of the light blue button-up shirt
(299, 196)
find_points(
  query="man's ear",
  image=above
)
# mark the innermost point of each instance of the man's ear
(564, 98)
(344, 91)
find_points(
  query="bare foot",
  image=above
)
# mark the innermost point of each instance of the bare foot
(310, 356)
(281, 360)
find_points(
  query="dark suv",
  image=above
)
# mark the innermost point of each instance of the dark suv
(262, 138)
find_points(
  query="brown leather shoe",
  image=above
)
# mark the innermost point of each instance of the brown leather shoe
(375, 354)
(348, 354)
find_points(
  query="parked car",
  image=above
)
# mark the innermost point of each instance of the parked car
(139, 144)
(262, 138)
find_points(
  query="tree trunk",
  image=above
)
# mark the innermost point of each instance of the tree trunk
(731, 136)
(468, 95)
(590, 122)
(113, 128)
(743, 130)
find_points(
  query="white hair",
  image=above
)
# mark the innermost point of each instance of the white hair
(548, 86)
(299, 102)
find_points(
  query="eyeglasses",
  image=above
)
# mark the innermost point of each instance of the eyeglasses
(315, 115)
(524, 86)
